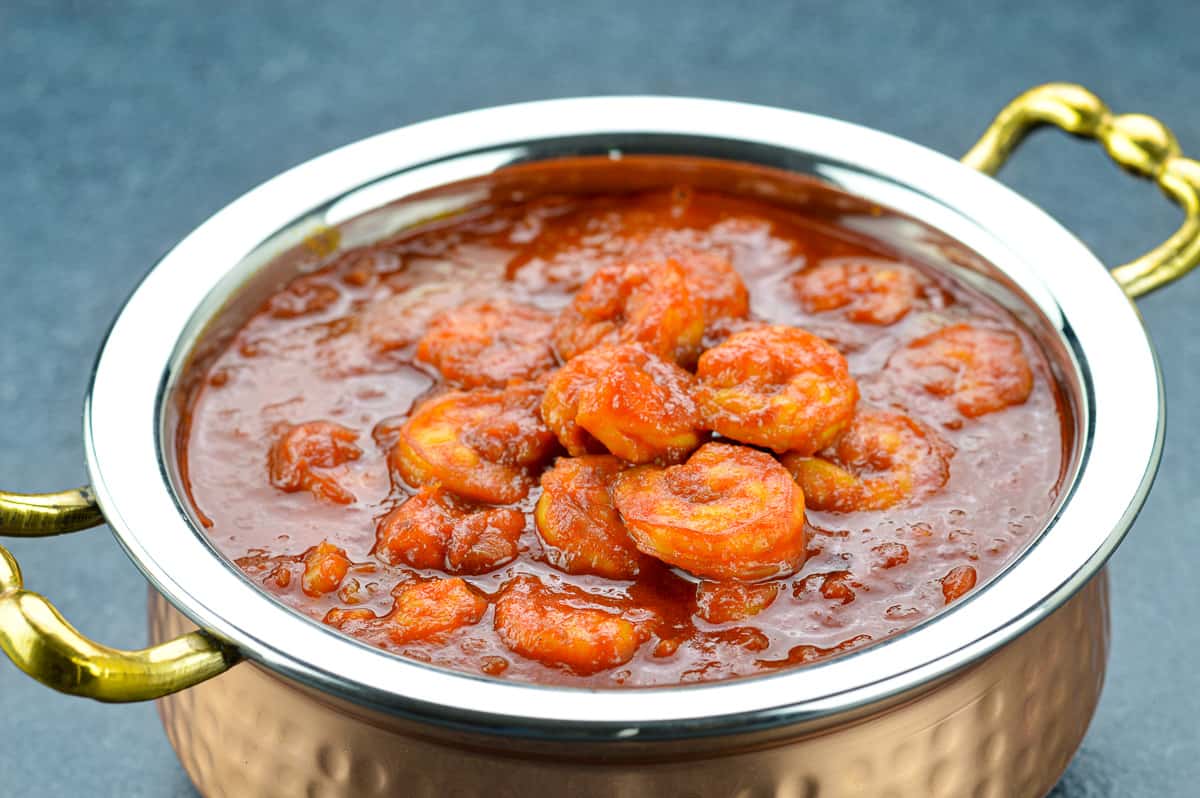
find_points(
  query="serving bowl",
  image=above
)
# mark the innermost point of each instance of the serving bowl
(989, 698)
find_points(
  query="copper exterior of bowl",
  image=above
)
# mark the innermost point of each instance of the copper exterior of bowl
(1005, 727)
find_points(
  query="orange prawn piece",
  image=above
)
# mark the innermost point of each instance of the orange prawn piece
(489, 343)
(578, 521)
(729, 512)
(838, 586)
(302, 457)
(552, 627)
(625, 399)
(646, 303)
(434, 530)
(777, 387)
(715, 284)
(482, 444)
(325, 566)
(958, 582)
(869, 292)
(725, 602)
(889, 554)
(883, 459)
(420, 611)
(983, 370)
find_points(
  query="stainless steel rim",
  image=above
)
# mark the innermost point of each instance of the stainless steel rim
(140, 362)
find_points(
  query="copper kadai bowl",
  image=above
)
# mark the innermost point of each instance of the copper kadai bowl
(991, 698)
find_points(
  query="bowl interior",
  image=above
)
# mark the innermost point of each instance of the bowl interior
(929, 207)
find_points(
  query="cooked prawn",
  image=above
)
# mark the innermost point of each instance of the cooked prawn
(577, 520)
(481, 444)
(421, 610)
(434, 530)
(302, 456)
(777, 387)
(725, 602)
(883, 459)
(870, 292)
(983, 370)
(625, 399)
(958, 582)
(489, 343)
(643, 302)
(325, 566)
(715, 284)
(729, 512)
(564, 627)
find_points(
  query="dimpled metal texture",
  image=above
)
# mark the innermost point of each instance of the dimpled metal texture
(1005, 727)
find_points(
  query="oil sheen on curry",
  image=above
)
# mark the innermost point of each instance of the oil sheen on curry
(624, 437)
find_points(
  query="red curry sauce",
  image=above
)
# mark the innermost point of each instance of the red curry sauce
(635, 438)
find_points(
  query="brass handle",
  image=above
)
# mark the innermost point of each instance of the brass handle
(1138, 143)
(42, 514)
(37, 638)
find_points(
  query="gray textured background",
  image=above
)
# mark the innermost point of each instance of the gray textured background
(124, 126)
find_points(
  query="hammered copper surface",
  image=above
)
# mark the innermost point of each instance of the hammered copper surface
(1003, 728)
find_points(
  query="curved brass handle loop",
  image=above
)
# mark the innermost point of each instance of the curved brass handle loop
(1139, 143)
(45, 646)
(42, 514)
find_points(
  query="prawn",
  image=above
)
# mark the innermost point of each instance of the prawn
(551, 626)
(625, 399)
(883, 459)
(982, 370)
(488, 343)
(301, 458)
(642, 302)
(577, 520)
(778, 387)
(480, 444)
(434, 530)
(870, 292)
(729, 512)
(420, 610)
